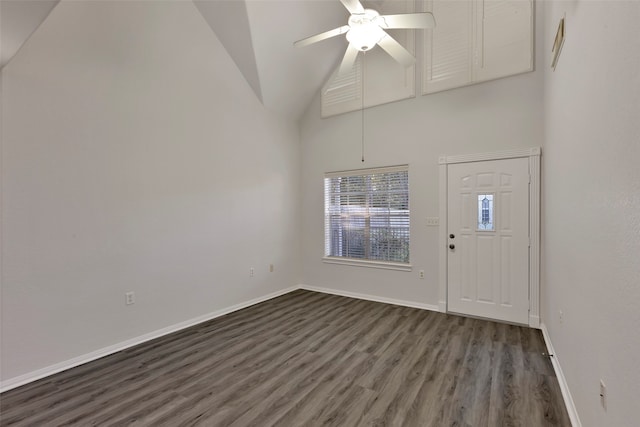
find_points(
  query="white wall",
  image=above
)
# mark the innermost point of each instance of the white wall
(487, 117)
(591, 212)
(135, 158)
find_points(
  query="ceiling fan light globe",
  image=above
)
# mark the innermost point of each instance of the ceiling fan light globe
(365, 37)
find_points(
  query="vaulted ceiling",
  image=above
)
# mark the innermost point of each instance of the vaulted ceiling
(18, 20)
(257, 34)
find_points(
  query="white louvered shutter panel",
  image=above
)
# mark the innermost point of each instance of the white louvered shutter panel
(448, 47)
(505, 32)
(367, 214)
(342, 93)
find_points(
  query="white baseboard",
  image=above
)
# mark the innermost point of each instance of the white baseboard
(562, 381)
(374, 298)
(80, 360)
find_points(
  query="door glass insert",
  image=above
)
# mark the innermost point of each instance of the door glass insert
(485, 212)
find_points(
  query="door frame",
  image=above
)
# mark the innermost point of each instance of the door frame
(533, 154)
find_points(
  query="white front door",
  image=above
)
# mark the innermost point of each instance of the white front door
(488, 239)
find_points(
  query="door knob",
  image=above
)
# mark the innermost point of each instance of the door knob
(452, 246)
(452, 236)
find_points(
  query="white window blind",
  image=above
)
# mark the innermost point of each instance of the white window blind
(367, 214)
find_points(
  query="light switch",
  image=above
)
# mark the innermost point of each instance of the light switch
(431, 221)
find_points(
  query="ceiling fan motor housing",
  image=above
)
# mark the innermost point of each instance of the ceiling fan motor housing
(364, 32)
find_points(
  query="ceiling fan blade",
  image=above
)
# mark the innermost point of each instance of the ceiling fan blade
(396, 50)
(322, 36)
(353, 6)
(349, 59)
(407, 20)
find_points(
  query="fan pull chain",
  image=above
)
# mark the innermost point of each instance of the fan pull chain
(364, 56)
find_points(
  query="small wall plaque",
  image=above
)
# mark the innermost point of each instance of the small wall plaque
(557, 44)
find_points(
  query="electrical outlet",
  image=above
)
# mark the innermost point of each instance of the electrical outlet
(129, 298)
(561, 316)
(421, 274)
(271, 268)
(433, 221)
(251, 272)
(603, 395)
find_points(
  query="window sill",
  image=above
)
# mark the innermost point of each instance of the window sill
(385, 265)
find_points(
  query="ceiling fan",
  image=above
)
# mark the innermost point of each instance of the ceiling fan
(366, 29)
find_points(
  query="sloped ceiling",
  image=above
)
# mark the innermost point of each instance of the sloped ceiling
(229, 20)
(291, 76)
(257, 34)
(18, 20)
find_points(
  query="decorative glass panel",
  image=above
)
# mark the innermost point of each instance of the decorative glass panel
(485, 212)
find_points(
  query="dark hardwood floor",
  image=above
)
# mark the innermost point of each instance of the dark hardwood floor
(307, 359)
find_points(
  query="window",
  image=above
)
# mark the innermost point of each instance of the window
(367, 217)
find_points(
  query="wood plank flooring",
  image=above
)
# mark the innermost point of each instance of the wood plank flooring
(309, 359)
